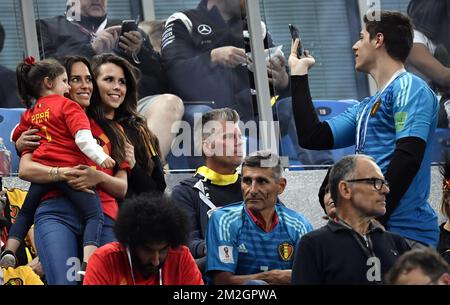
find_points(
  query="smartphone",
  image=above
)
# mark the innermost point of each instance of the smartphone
(127, 26)
(295, 35)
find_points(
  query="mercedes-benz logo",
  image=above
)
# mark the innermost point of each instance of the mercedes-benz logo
(204, 29)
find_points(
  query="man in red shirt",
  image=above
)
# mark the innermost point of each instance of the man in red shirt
(151, 232)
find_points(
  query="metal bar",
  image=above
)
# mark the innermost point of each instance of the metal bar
(267, 136)
(29, 28)
(148, 8)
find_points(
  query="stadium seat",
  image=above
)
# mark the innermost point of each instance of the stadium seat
(441, 143)
(9, 118)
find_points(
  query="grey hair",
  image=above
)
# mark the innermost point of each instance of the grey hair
(265, 159)
(344, 169)
(219, 115)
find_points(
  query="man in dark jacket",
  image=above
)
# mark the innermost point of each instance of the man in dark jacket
(217, 183)
(8, 90)
(205, 52)
(87, 31)
(352, 248)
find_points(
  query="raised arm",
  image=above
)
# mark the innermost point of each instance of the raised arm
(312, 133)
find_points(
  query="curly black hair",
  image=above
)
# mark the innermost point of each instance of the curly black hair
(151, 218)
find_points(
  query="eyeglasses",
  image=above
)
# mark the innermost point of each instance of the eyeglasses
(376, 182)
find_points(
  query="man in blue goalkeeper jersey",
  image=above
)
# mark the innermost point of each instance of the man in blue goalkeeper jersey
(395, 126)
(254, 241)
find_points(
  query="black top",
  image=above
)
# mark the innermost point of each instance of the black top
(187, 196)
(335, 254)
(444, 243)
(8, 89)
(187, 58)
(59, 37)
(140, 180)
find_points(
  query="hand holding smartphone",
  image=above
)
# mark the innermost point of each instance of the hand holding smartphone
(295, 35)
(128, 26)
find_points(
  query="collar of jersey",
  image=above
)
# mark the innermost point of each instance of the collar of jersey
(215, 178)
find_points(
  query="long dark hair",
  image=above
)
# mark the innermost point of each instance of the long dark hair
(145, 143)
(31, 75)
(444, 169)
(69, 61)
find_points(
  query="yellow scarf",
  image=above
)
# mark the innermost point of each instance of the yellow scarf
(216, 178)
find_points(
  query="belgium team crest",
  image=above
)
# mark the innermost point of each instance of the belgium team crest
(285, 250)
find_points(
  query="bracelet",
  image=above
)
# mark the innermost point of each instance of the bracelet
(54, 173)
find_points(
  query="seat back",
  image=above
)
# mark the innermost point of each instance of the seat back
(441, 144)
(9, 118)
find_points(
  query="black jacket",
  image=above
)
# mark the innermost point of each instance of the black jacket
(186, 195)
(8, 89)
(186, 48)
(59, 37)
(333, 255)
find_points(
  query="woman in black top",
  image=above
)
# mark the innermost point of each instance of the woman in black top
(116, 77)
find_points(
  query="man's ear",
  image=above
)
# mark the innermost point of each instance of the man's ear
(379, 40)
(282, 185)
(207, 149)
(444, 279)
(48, 83)
(344, 190)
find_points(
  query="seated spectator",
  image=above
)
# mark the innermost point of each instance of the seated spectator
(429, 57)
(325, 200)
(352, 248)
(419, 267)
(95, 34)
(444, 238)
(254, 241)
(151, 232)
(22, 275)
(154, 30)
(204, 51)
(8, 87)
(215, 184)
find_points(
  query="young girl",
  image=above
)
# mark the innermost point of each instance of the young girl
(66, 141)
(444, 238)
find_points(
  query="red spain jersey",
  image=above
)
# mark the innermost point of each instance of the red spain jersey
(58, 120)
(109, 265)
(109, 203)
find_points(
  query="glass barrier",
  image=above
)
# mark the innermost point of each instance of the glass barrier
(206, 61)
(11, 51)
(328, 30)
(184, 66)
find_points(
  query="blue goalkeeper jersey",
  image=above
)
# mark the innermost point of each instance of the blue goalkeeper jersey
(407, 107)
(236, 244)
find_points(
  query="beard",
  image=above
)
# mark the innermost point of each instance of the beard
(146, 270)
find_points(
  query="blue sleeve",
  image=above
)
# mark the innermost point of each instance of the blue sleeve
(343, 127)
(222, 250)
(415, 111)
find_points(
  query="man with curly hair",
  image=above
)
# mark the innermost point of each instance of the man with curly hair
(151, 232)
